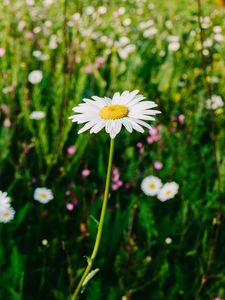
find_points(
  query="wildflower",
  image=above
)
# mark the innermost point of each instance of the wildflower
(43, 195)
(89, 10)
(71, 150)
(151, 185)
(86, 172)
(157, 165)
(140, 148)
(53, 42)
(174, 46)
(4, 201)
(7, 123)
(214, 103)
(168, 191)
(102, 10)
(181, 119)
(116, 182)
(89, 69)
(75, 201)
(33, 180)
(37, 115)
(70, 206)
(125, 109)
(7, 214)
(8, 89)
(99, 62)
(47, 2)
(124, 52)
(154, 135)
(44, 242)
(168, 241)
(35, 76)
(2, 52)
(150, 32)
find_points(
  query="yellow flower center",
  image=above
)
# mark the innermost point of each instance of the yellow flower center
(151, 185)
(42, 195)
(113, 112)
(6, 214)
(168, 193)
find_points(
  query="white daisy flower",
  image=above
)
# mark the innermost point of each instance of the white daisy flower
(7, 214)
(168, 191)
(127, 109)
(151, 185)
(4, 201)
(173, 46)
(35, 76)
(43, 195)
(214, 103)
(37, 115)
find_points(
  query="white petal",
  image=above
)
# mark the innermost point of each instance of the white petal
(116, 98)
(136, 126)
(142, 123)
(108, 126)
(117, 126)
(98, 127)
(143, 105)
(141, 117)
(124, 95)
(135, 100)
(127, 125)
(87, 126)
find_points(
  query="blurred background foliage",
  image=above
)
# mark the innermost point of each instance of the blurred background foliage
(97, 48)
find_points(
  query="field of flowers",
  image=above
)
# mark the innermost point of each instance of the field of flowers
(163, 232)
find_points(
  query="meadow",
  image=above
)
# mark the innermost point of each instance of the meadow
(153, 247)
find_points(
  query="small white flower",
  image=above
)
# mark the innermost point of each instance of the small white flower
(150, 32)
(4, 201)
(30, 2)
(218, 37)
(208, 43)
(8, 89)
(127, 22)
(124, 52)
(151, 185)
(7, 214)
(53, 42)
(214, 103)
(43, 195)
(47, 2)
(173, 46)
(44, 242)
(102, 10)
(127, 109)
(37, 115)
(173, 38)
(217, 29)
(37, 53)
(168, 241)
(168, 191)
(35, 76)
(89, 10)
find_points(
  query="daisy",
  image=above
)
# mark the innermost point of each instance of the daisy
(151, 185)
(35, 76)
(37, 115)
(4, 201)
(43, 195)
(214, 102)
(7, 214)
(127, 109)
(168, 191)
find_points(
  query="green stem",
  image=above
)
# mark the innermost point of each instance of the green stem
(100, 225)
